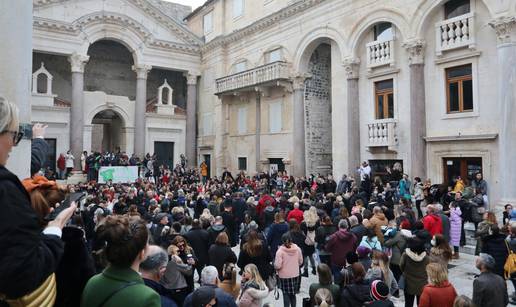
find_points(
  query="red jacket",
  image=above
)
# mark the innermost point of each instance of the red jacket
(295, 214)
(442, 296)
(61, 162)
(433, 224)
(261, 203)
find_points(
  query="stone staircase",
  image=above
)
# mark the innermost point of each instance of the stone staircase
(471, 242)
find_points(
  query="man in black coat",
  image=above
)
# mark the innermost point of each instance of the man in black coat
(199, 240)
(229, 221)
(489, 289)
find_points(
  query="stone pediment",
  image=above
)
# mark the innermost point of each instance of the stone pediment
(150, 22)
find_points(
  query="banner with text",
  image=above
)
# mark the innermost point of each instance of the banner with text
(118, 174)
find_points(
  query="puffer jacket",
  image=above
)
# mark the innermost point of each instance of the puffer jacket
(397, 245)
(413, 267)
(253, 295)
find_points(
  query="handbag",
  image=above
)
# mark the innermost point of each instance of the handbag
(510, 263)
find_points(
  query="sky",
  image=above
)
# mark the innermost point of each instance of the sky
(193, 3)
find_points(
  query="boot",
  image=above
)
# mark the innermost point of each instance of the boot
(455, 255)
(314, 272)
(305, 273)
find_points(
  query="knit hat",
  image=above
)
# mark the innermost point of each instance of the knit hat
(202, 296)
(379, 290)
(363, 251)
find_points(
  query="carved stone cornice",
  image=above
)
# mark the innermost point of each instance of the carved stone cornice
(351, 66)
(416, 51)
(298, 81)
(77, 62)
(505, 28)
(150, 9)
(141, 70)
(104, 17)
(263, 24)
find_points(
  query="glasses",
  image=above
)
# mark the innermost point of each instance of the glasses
(17, 136)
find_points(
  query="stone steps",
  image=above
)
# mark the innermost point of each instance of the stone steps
(471, 242)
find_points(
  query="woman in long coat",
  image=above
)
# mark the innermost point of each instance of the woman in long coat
(455, 228)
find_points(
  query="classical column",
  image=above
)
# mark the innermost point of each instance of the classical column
(191, 122)
(77, 63)
(416, 57)
(353, 115)
(505, 28)
(298, 129)
(16, 72)
(140, 109)
(258, 119)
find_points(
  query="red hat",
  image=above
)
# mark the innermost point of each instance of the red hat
(379, 290)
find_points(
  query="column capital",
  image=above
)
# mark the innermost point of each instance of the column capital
(351, 66)
(416, 50)
(298, 80)
(191, 78)
(78, 61)
(141, 70)
(505, 28)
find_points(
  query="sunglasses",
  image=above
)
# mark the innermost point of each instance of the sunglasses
(17, 136)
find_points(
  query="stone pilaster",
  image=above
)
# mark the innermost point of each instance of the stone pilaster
(16, 73)
(191, 119)
(298, 129)
(351, 66)
(257, 141)
(77, 64)
(505, 28)
(140, 109)
(416, 54)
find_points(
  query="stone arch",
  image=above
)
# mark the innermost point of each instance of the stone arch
(429, 8)
(113, 26)
(383, 15)
(111, 107)
(312, 40)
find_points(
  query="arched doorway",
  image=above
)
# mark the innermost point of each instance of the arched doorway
(108, 132)
(318, 107)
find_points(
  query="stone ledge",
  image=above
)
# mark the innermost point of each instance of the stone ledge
(471, 137)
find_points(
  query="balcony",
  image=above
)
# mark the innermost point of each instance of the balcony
(455, 33)
(382, 133)
(380, 53)
(261, 75)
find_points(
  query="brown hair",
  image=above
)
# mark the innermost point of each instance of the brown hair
(491, 217)
(463, 301)
(222, 239)
(324, 273)
(253, 246)
(279, 218)
(358, 271)
(42, 199)
(125, 238)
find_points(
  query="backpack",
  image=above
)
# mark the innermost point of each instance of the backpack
(310, 238)
(510, 264)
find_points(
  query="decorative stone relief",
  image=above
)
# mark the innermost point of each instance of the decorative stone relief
(298, 81)
(142, 70)
(191, 79)
(416, 51)
(351, 66)
(78, 61)
(505, 28)
(35, 75)
(164, 86)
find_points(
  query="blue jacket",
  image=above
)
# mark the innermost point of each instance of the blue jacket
(274, 235)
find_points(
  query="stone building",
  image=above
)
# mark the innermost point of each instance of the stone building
(309, 86)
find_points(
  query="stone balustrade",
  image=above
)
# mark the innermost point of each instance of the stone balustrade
(455, 33)
(382, 133)
(380, 53)
(252, 77)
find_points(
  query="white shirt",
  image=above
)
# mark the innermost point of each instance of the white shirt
(364, 171)
(69, 160)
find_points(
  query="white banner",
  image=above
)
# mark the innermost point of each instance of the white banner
(118, 174)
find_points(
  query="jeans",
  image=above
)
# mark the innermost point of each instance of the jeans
(409, 300)
(289, 300)
(335, 270)
(312, 262)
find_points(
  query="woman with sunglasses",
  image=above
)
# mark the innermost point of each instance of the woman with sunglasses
(29, 254)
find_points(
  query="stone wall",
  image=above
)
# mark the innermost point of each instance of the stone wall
(318, 112)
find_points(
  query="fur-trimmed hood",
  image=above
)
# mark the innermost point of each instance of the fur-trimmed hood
(415, 257)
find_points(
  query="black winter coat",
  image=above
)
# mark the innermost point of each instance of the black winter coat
(27, 256)
(494, 245)
(262, 261)
(220, 255)
(355, 294)
(199, 240)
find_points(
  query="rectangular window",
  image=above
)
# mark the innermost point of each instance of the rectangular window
(242, 163)
(240, 67)
(454, 8)
(384, 99)
(274, 56)
(238, 8)
(459, 89)
(275, 116)
(242, 120)
(208, 23)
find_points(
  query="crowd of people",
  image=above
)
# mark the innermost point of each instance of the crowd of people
(176, 237)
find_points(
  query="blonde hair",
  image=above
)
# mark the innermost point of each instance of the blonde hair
(255, 274)
(323, 298)
(172, 249)
(310, 216)
(437, 274)
(8, 114)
